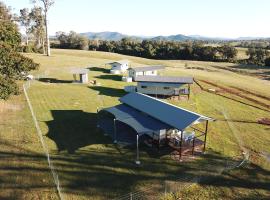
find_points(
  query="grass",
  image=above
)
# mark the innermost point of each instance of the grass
(90, 166)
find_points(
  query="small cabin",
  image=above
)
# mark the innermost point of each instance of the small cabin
(166, 86)
(144, 71)
(82, 73)
(119, 67)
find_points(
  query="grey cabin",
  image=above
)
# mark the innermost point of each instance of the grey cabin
(144, 71)
(165, 86)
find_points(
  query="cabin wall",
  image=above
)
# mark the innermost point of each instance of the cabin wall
(157, 88)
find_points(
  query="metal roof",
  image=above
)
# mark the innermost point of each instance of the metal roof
(164, 79)
(136, 119)
(167, 113)
(147, 68)
(121, 62)
(79, 71)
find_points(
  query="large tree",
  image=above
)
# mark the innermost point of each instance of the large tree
(12, 63)
(46, 6)
(38, 26)
(25, 20)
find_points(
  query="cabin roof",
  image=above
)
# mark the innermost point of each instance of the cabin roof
(165, 79)
(147, 68)
(121, 62)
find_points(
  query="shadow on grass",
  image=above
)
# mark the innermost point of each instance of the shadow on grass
(104, 173)
(73, 129)
(54, 80)
(110, 77)
(107, 91)
(99, 69)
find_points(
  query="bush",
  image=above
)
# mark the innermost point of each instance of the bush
(267, 62)
(8, 87)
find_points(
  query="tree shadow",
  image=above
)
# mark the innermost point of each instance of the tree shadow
(54, 80)
(73, 129)
(107, 91)
(110, 77)
(99, 69)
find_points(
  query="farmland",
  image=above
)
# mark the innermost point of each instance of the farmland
(90, 166)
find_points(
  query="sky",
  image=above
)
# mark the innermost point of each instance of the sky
(213, 18)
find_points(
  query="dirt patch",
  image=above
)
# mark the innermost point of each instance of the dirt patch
(222, 89)
(202, 69)
(4, 107)
(252, 93)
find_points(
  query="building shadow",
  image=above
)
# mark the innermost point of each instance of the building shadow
(73, 129)
(54, 80)
(99, 69)
(107, 91)
(110, 77)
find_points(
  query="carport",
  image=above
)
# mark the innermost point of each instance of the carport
(139, 121)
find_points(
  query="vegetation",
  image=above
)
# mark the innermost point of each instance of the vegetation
(47, 4)
(257, 56)
(12, 64)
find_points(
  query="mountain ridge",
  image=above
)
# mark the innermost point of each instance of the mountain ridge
(108, 35)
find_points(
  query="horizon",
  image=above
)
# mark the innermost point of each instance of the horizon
(225, 19)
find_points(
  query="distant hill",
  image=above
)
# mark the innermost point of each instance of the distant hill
(104, 35)
(179, 37)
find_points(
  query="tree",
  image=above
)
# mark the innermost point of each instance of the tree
(257, 56)
(46, 6)
(228, 53)
(12, 63)
(38, 26)
(267, 62)
(25, 20)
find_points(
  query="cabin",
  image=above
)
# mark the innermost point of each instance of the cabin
(82, 75)
(140, 118)
(144, 71)
(119, 67)
(163, 86)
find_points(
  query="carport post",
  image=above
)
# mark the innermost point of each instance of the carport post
(205, 136)
(137, 158)
(114, 129)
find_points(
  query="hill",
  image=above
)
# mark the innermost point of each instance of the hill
(116, 36)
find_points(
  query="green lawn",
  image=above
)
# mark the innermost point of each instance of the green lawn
(90, 166)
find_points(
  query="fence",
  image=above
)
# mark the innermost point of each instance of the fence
(26, 87)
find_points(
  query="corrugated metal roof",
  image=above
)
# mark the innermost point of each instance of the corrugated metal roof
(164, 79)
(136, 119)
(167, 113)
(147, 68)
(79, 71)
(122, 62)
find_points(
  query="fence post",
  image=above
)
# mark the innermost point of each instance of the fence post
(131, 196)
(165, 189)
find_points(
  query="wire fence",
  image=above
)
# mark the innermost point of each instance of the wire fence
(26, 87)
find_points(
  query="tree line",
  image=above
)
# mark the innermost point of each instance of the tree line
(197, 50)
(149, 48)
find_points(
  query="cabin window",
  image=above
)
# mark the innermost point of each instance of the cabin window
(143, 86)
(166, 88)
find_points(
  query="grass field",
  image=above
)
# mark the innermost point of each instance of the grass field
(90, 166)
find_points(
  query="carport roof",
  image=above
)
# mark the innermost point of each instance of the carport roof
(139, 121)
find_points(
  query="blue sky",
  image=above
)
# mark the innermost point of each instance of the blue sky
(215, 18)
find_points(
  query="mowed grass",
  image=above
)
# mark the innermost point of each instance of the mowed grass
(90, 166)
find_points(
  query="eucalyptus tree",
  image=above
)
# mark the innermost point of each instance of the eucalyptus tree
(46, 4)
(25, 21)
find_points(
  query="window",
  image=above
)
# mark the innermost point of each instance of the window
(143, 86)
(166, 88)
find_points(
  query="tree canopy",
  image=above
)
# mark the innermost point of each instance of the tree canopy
(12, 63)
